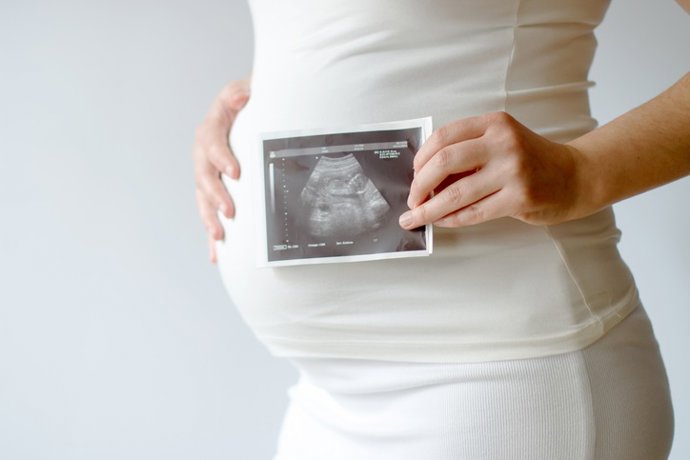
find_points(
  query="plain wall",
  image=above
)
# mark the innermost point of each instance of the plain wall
(117, 339)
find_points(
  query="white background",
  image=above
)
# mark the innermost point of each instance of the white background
(117, 339)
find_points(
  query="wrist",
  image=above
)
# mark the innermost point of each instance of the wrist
(586, 183)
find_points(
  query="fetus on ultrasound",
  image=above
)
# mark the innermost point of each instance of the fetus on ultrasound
(340, 201)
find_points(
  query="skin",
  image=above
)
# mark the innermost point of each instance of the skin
(506, 170)
(211, 155)
(490, 166)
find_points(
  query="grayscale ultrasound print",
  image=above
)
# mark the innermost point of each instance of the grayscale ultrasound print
(339, 194)
(340, 200)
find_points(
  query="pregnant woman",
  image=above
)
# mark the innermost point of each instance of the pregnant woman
(522, 336)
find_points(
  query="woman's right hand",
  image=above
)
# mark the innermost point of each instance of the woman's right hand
(212, 157)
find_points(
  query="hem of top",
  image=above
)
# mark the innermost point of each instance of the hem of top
(451, 352)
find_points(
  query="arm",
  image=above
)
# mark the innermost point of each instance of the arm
(646, 147)
(482, 168)
(642, 149)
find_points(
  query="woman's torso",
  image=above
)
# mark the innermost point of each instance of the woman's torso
(499, 290)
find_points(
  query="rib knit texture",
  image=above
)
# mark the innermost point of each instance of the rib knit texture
(609, 401)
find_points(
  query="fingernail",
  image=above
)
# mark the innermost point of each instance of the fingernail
(406, 219)
(223, 209)
(230, 171)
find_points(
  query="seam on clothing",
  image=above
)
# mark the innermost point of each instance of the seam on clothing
(509, 64)
(583, 358)
(564, 259)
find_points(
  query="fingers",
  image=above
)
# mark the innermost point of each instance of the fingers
(212, 134)
(208, 215)
(485, 144)
(212, 156)
(457, 158)
(213, 257)
(454, 132)
(518, 174)
(457, 195)
(210, 185)
(211, 146)
(220, 155)
(490, 207)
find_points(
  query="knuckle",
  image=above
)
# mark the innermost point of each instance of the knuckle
(444, 158)
(216, 156)
(201, 193)
(501, 118)
(454, 193)
(225, 156)
(421, 213)
(216, 195)
(217, 161)
(200, 163)
(207, 221)
(213, 220)
(447, 220)
(202, 179)
(456, 219)
(206, 209)
(206, 156)
(452, 220)
(510, 141)
(208, 189)
(441, 135)
(475, 213)
(198, 156)
(209, 175)
(213, 229)
(470, 215)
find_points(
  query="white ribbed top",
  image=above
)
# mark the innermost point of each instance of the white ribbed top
(499, 290)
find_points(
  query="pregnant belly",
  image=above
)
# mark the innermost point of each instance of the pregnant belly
(494, 280)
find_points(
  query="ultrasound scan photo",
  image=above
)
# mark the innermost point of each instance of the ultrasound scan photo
(340, 199)
(336, 196)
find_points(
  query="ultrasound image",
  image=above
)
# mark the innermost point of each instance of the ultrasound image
(339, 195)
(341, 200)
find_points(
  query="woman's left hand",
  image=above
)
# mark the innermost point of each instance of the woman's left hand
(486, 167)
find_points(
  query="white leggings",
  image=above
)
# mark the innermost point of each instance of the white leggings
(609, 401)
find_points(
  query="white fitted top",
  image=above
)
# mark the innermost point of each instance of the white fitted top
(499, 290)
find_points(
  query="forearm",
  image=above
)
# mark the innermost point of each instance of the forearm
(642, 149)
